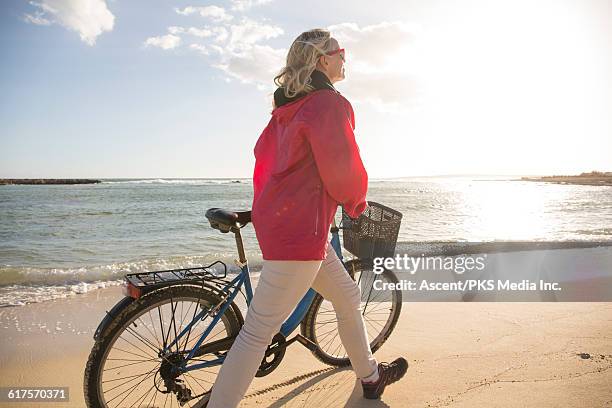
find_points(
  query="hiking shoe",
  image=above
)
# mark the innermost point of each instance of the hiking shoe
(387, 374)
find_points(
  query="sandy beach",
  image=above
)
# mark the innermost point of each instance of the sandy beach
(460, 355)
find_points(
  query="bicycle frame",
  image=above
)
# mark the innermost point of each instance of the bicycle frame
(231, 290)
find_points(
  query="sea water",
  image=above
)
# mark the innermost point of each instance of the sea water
(61, 240)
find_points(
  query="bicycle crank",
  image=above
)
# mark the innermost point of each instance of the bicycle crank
(273, 356)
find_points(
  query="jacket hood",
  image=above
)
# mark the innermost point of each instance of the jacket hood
(285, 113)
(286, 108)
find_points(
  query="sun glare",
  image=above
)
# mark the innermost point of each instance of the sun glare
(512, 210)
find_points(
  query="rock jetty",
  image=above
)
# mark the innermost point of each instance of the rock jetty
(49, 181)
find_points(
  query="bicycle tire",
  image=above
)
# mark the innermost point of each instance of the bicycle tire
(339, 359)
(92, 384)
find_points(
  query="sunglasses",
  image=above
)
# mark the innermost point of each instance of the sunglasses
(339, 50)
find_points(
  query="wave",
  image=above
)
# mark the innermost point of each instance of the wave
(21, 295)
(23, 285)
(596, 231)
(179, 181)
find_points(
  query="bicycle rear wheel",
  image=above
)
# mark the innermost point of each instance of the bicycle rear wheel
(380, 311)
(125, 369)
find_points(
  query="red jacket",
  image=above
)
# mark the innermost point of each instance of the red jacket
(307, 162)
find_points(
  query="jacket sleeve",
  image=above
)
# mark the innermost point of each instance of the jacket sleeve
(330, 123)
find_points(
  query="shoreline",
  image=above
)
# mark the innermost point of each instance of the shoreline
(585, 179)
(53, 292)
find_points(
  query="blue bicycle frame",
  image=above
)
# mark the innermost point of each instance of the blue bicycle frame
(231, 290)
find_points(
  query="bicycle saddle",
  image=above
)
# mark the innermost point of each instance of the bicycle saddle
(225, 220)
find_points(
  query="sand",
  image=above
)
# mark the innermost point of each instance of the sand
(460, 355)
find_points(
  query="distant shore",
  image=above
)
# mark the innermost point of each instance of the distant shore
(48, 181)
(594, 178)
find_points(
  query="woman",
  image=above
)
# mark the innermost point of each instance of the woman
(307, 163)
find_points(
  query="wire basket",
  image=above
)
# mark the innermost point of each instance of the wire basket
(374, 233)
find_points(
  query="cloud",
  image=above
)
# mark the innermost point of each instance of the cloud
(37, 19)
(249, 32)
(165, 42)
(198, 32)
(239, 35)
(217, 49)
(378, 68)
(176, 30)
(215, 13)
(89, 18)
(200, 48)
(219, 33)
(243, 5)
(257, 64)
(239, 55)
(375, 45)
(234, 48)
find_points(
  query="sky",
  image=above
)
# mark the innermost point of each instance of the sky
(173, 89)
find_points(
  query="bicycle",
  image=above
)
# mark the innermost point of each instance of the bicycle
(145, 348)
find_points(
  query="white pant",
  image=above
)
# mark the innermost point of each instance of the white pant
(281, 286)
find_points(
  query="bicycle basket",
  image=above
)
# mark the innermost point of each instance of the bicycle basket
(374, 233)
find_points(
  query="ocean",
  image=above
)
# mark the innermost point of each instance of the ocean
(59, 241)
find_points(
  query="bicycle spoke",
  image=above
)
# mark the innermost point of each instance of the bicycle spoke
(195, 310)
(161, 323)
(126, 383)
(133, 345)
(170, 324)
(324, 322)
(155, 384)
(202, 379)
(174, 324)
(131, 364)
(132, 389)
(378, 327)
(128, 376)
(336, 351)
(146, 357)
(124, 359)
(327, 345)
(144, 396)
(153, 325)
(149, 330)
(321, 336)
(146, 342)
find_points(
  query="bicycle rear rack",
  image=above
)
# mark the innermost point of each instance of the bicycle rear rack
(141, 283)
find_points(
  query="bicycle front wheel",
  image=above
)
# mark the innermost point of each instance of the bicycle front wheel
(380, 311)
(126, 367)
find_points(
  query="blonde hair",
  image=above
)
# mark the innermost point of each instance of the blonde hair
(302, 60)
